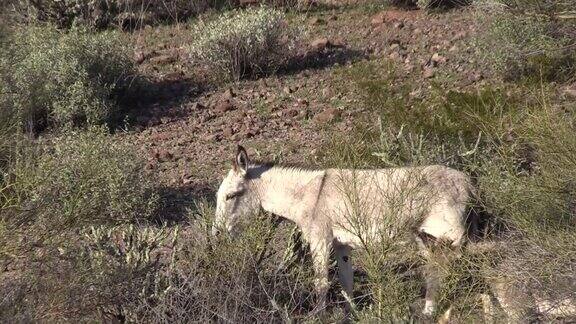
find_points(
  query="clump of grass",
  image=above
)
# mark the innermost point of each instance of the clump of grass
(244, 43)
(55, 78)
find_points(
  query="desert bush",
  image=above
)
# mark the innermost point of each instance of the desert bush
(84, 178)
(53, 78)
(68, 232)
(429, 4)
(219, 278)
(99, 14)
(244, 43)
(527, 39)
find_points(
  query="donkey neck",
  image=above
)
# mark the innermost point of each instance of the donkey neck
(291, 193)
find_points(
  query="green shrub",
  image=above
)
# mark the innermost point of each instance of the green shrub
(85, 178)
(61, 79)
(244, 43)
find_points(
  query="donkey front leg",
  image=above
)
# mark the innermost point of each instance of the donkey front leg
(345, 274)
(320, 248)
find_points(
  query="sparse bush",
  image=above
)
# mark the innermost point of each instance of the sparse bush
(431, 4)
(99, 14)
(67, 227)
(85, 178)
(527, 39)
(56, 78)
(244, 43)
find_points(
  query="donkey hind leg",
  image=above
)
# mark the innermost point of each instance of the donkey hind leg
(345, 274)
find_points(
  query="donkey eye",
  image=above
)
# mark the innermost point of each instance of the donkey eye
(233, 195)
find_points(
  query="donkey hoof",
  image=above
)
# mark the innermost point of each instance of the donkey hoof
(428, 309)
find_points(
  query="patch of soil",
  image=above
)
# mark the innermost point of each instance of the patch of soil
(189, 142)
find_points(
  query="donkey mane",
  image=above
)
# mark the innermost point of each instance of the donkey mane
(256, 168)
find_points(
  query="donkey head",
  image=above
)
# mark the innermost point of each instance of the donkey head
(235, 198)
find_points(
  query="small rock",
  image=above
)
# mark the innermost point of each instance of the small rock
(439, 59)
(570, 91)
(394, 56)
(327, 116)
(399, 25)
(377, 20)
(139, 57)
(163, 59)
(394, 46)
(198, 106)
(337, 42)
(223, 106)
(320, 43)
(228, 94)
(227, 132)
(317, 21)
(428, 72)
(163, 155)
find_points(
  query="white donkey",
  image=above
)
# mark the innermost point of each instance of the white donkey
(341, 208)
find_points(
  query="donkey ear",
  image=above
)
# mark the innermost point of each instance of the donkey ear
(241, 160)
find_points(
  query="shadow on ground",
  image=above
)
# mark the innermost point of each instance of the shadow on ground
(320, 59)
(180, 204)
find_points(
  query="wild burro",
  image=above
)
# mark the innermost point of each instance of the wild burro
(342, 209)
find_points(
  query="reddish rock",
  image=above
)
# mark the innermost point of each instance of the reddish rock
(428, 72)
(337, 42)
(227, 132)
(438, 59)
(139, 57)
(570, 91)
(223, 106)
(327, 116)
(163, 59)
(317, 21)
(163, 155)
(320, 43)
(377, 20)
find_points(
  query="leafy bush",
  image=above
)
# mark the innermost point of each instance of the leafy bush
(244, 43)
(61, 79)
